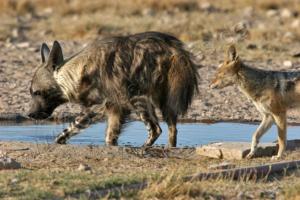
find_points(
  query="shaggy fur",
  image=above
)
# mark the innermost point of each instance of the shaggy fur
(122, 74)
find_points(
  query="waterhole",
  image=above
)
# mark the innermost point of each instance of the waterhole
(134, 133)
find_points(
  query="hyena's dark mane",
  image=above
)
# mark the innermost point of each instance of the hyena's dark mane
(152, 64)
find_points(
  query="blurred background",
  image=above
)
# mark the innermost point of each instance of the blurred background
(189, 20)
(266, 32)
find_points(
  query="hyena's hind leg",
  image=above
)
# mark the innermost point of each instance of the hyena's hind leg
(171, 118)
(115, 119)
(264, 126)
(146, 111)
(81, 122)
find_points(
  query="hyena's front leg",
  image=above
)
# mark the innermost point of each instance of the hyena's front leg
(145, 110)
(81, 122)
(264, 126)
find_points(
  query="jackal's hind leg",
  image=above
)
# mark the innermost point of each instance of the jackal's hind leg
(280, 121)
(264, 126)
(145, 110)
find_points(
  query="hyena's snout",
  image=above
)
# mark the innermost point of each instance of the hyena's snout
(38, 110)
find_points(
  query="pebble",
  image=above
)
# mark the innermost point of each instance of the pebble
(9, 163)
(83, 167)
(295, 23)
(23, 45)
(286, 13)
(223, 165)
(287, 63)
(272, 13)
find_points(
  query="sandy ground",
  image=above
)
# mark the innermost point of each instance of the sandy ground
(55, 172)
(266, 34)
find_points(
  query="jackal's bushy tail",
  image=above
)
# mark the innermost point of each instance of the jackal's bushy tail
(183, 82)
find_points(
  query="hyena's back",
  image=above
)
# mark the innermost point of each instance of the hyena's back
(151, 64)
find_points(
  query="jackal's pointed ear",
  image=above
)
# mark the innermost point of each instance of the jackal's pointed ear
(231, 53)
(56, 55)
(44, 52)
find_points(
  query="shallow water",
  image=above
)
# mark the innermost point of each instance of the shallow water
(189, 134)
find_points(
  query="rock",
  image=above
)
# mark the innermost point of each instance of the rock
(295, 23)
(9, 163)
(84, 167)
(268, 194)
(287, 63)
(288, 36)
(148, 12)
(242, 27)
(272, 13)
(23, 45)
(208, 7)
(239, 150)
(251, 46)
(223, 165)
(296, 54)
(248, 11)
(286, 13)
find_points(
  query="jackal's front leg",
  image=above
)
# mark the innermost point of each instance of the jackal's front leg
(264, 126)
(145, 110)
(280, 121)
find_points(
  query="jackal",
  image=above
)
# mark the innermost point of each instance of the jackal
(138, 73)
(272, 92)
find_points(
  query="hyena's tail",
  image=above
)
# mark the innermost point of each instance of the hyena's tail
(182, 82)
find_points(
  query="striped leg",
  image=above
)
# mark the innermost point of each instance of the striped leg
(81, 122)
(89, 116)
(145, 110)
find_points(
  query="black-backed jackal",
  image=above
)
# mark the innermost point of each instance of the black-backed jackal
(272, 92)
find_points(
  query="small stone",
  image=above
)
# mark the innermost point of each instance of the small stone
(268, 194)
(272, 13)
(14, 180)
(288, 36)
(9, 163)
(249, 11)
(148, 12)
(286, 13)
(84, 167)
(206, 6)
(296, 54)
(223, 165)
(296, 23)
(287, 63)
(251, 46)
(23, 45)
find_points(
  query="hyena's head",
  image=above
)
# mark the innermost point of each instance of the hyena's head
(227, 71)
(45, 92)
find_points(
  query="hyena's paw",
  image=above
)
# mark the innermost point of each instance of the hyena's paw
(61, 139)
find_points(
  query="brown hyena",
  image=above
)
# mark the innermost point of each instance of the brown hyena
(134, 73)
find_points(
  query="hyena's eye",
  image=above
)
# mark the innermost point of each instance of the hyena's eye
(37, 93)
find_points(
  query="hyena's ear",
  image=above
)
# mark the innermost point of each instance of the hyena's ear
(231, 53)
(44, 52)
(56, 55)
